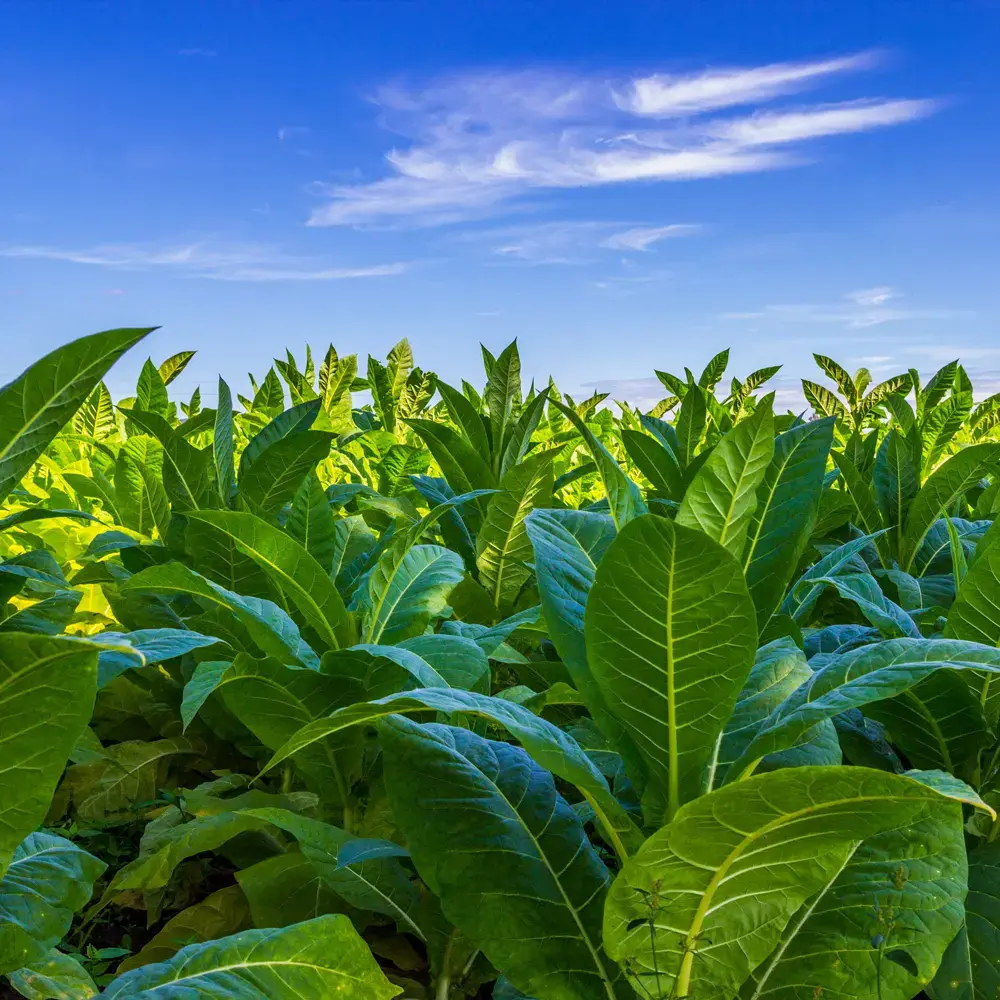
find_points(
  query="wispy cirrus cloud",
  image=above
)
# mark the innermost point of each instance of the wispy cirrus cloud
(222, 262)
(572, 241)
(858, 310)
(469, 144)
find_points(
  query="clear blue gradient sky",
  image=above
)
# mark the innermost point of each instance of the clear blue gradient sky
(623, 186)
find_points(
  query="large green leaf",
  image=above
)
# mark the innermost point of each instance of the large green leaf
(779, 668)
(323, 959)
(867, 514)
(503, 397)
(275, 475)
(467, 418)
(857, 678)
(48, 880)
(671, 633)
(896, 480)
(917, 876)
(55, 976)
(187, 472)
(940, 492)
(312, 524)
(504, 548)
(222, 444)
(36, 405)
(722, 497)
(275, 702)
(624, 497)
(267, 625)
(222, 913)
(295, 420)
(938, 723)
(656, 461)
(553, 749)
(292, 569)
(787, 505)
(521, 882)
(707, 898)
(408, 587)
(47, 690)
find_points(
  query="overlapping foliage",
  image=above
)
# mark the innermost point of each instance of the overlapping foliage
(469, 692)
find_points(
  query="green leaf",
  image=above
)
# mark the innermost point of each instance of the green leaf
(463, 466)
(896, 483)
(48, 880)
(141, 498)
(941, 490)
(522, 882)
(267, 625)
(859, 677)
(722, 497)
(36, 405)
(47, 617)
(671, 633)
(779, 668)
(174, 365)
(504, 548)
(151, 391)
(502, 397)
(917, 879)
(938, 723)
(518, 439)
(106, 790)
(823, 402)
(691, 420)
(311, 522)
(222, 913)
(722, 881)
(788, 501)
(96, 417)
(144, 647)
(55, 976)
(47, 690)
(863, 590)
(806, 591)
(274, 702)
(41, 514)
(714, 371)
(624, 496)
(547, 744)
(275, 475)
(323, 959)
(467, 417)
(656, 462)
(186, 470)
(295, 420)
(286, 889)
(292, 569)
(222, 444)
(406, 592)
(869, 518)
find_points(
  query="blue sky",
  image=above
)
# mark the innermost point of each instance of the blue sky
(621, 186)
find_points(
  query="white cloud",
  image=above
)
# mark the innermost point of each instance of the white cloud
(571, 241)
(290, 131)
(664, 94)
(223, 262)
(862, 309)
(643, 237)
(470, 143)
(876, 296)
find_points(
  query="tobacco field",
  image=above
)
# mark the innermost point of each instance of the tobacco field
(361, 685)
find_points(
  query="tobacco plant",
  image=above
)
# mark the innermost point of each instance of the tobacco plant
(375, 686)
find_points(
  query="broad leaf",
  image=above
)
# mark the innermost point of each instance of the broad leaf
(47, 690)
(36, 405)
(722, 497)
(671, 633)
(706, 899)
(787, 504)
(324, 959)
(522, 882)
(292, 569)
(48, 880)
